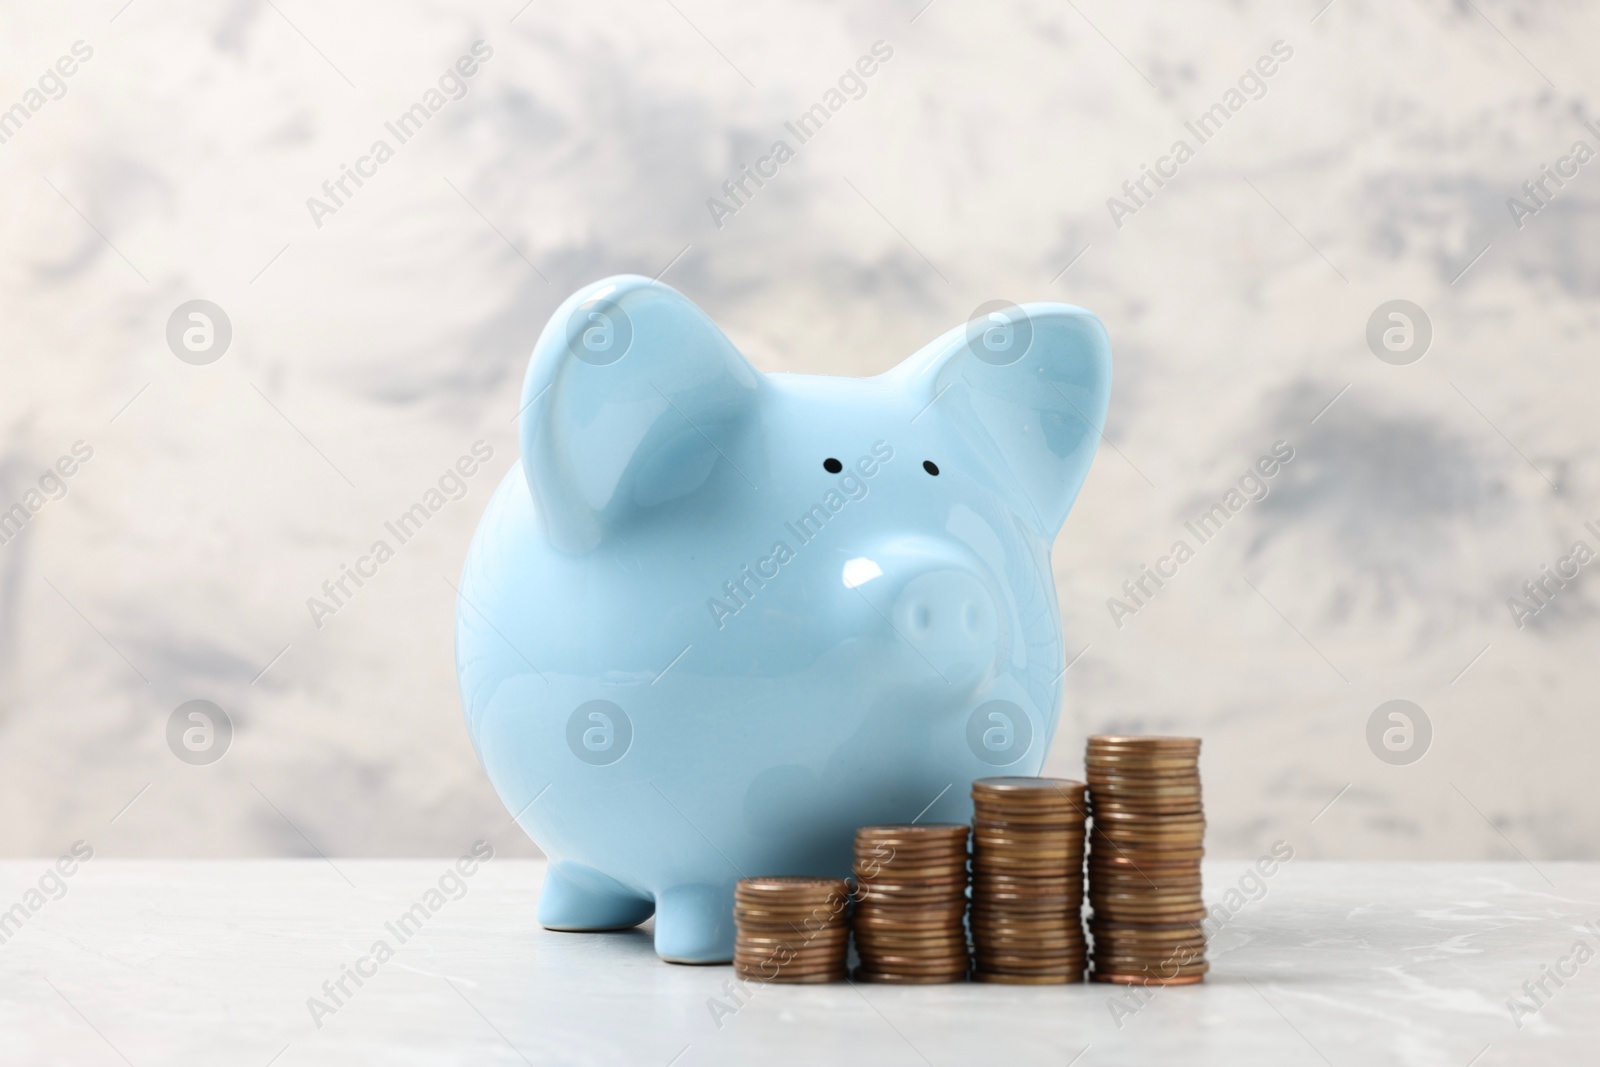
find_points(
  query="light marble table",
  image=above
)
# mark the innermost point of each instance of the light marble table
(214, 962)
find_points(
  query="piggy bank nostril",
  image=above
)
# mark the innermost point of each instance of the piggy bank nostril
(969, 618)
(921, 617)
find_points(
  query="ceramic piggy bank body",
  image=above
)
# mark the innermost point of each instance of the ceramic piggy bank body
(716, 619)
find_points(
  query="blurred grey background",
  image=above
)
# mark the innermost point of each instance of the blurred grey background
(374, 343)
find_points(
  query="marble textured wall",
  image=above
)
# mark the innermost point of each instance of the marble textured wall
(379, 336)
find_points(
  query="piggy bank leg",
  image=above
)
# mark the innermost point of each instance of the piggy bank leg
(694, 924)
(576, 897)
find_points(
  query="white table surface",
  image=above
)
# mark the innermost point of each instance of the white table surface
(212, 963)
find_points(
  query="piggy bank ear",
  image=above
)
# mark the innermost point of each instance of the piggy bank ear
(1028, 386)
(632, 397)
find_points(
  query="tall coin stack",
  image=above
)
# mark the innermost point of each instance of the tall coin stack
(1027, 880)
(911, 894)
(791, 929)
(1144, 860)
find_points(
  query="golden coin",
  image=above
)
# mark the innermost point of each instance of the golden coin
(1155, 971)
(1140, 818)
(1002, 883)
(864, 975)
(1042, 866)
(1057, 901)
(1129, 979)
(1120, 962)
(1024, 923)
(1185, 962)
(1108, 759)
(1005, 895)
(1014, 959)
(1149, 805)
(1165, 968)
(1134, 894)
(1132, 905)
(1130, 879)
(1022, 835)
(985, 814)
(1001, 978)
(1115, 893)
(916, 846)
(1189, 824)
(809, 979)
(1133, 844)
(1042, 856)
(831, 974)
(1162, 911)
(909, 900)
(947, 926)
(1159, 811)
(1149, 854)
(1146, 928)
(880, 936)
(1125, 940)
(1130, 790)
(821, 939)
(1182, 951)
(1131, 793)
(1159, 742)
(916, 962)
(1003, 934)
(1007, 786)
(1184, 875)
(1010, 935)
(775, 959)
(1128, 916)
(1113, 865)
(887, 932)
(799, 923)
(912, 877)
(939, 950)
(911, 911)
(1061, 967)
(988, 948)
(789, 885)
(1148, 842)
(913, 833)
(1152, 933)
(796, 920)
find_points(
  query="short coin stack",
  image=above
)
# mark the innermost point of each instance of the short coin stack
(911, 894)
(791, 929)
(1144, 861)
(1027, 880)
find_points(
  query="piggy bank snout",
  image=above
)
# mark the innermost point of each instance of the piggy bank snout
(950, 616)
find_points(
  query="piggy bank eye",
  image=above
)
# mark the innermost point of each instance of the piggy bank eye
(931, 467)
(832, 466)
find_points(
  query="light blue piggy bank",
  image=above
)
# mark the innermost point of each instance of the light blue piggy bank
(717, 619)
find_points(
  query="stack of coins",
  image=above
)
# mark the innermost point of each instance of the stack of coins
(1144, 861)
(1027, 880)
(791, 929)
(911, 894)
